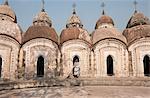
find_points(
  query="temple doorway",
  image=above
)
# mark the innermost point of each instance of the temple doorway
(76, 67)
(40, 66)
(110, 66)
(146, 62)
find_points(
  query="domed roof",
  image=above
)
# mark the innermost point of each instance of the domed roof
(137, 27)
(8, 23)
(104, 19)
(107, 33)
(42, 17)
(137, 19)
(74, 33)
(69, 33)
(136, 33)
(74, 30)
(10, 29)
(105, 30)
(41, 28)
(5, 9)
(40, 32)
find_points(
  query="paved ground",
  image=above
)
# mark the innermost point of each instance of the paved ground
(79, 92)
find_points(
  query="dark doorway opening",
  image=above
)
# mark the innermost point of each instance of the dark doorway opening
(40, 67)
(146, 62)
(0, 67)
(76, 67)
(110, 66)
(75, 59)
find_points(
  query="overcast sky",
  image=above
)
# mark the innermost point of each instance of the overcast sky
(89, 11)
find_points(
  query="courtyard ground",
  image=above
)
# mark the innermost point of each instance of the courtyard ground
(79, 92)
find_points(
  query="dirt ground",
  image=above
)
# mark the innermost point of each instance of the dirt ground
(79, 92)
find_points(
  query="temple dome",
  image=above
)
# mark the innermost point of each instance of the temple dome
(40, 32)
(138, 19)
(8, 23)
(41, 19)
(5, 10)
(105, 29)
(41, 29)
(69, 33)
(107, 33)
(74, 21)
(74, 30)
(137, 27)
(104, 19)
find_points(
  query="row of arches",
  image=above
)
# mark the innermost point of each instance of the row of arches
(75, 70)
(76, 67)
(146, 64)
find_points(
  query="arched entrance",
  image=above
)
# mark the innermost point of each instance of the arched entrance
(110, 66)
(76, 67)
(146, 62)
(0, 67)
(40, 66)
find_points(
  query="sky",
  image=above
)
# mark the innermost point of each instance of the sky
(89, 11)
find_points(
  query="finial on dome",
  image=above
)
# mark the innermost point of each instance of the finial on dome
(103, 5)
(43, 10)
(74, 8)
(6, 2)
(135, 6)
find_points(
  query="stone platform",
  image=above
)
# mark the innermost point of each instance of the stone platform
(40, 82)
(79, 92)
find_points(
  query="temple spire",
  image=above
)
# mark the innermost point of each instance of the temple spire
(43, 10)
(74, 8)
(74, 20)
(6, 2)
(135, 6)
(103, 5)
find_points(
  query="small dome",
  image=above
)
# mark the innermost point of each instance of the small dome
(74, 33)
(8, 23)
(74, 21)
(137, 32)
(107, 33)
(138, 19)
(104, 19)
(42, 19)
(6, 10)
(69, 33)
(40, 32)
(74, 30)
(105, 30)
(10, 29)
(137, 27)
